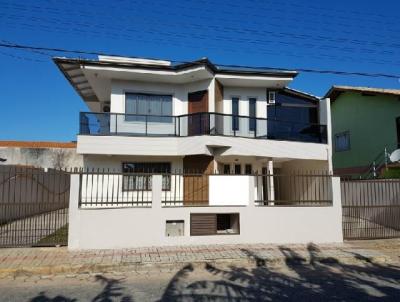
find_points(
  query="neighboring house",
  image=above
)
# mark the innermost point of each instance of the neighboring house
(150, 115)
(365, 128)
(156, 135)
(56, 155)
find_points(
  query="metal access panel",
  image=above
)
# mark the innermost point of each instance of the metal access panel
(174, 228)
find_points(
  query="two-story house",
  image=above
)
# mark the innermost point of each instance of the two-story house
(159, 139)
(153, 115)
(365, 128)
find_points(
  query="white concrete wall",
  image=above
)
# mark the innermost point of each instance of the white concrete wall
(42, 157)
(181, 146)
(325, 118)
(140, 227)
(237, 195)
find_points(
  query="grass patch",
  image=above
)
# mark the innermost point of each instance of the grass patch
(59, 237)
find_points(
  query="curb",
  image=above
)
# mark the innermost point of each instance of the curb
(148, 267)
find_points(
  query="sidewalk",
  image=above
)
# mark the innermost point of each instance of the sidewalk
(46, 261)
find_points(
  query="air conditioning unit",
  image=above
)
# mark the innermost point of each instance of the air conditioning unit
(106, 107)
(271, 97)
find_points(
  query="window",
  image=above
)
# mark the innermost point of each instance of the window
(227, 169)
(238, 169)
(143, 182)
(252, 114)
(342, 141)
(140, 105)
(271, 97)
(235, 113)
(248, 169)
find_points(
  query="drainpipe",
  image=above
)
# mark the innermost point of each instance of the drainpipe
(373, 169)
(386, 161)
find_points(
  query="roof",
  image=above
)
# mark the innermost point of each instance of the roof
(72, 70)
(36, 144)
(335, 91)
(302, 94)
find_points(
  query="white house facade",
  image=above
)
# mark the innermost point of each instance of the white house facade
(142, 110)
(189, 121)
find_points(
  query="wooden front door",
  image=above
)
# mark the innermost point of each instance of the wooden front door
(195, 181)
(198, 103)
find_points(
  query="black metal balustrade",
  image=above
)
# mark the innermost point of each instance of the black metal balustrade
(203, 123)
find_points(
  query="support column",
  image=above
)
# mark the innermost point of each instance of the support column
(270, 182)
(156, 191)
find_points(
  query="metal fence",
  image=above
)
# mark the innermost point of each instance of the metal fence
(371, 208)
(33, 206)
(294, 190)
(115, 189)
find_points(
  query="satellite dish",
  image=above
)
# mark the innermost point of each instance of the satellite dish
(395, 156)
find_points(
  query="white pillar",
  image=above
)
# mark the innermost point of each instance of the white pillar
(156, 191)
(270, 181)
(74, 213)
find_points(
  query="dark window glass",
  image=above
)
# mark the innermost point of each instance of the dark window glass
(248, 169)
(252, 114)
(227, 169)
(235, 113)
(342, 141)
(238, 169)
(143, 182)
(140, 105)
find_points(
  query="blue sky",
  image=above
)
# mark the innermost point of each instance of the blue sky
(39, 104)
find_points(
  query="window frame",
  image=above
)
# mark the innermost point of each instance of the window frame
(130, 117)
(252, 118)
(347, 133)
(235, 117)
(147, 177)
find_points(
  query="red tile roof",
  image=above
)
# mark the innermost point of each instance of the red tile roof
(33, 144)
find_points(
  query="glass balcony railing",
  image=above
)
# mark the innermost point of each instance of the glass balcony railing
(205, 123)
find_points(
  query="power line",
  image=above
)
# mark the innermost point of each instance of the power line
(335, 72)
(219, 28)
(166, 37)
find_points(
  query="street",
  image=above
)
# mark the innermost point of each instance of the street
(296, 279)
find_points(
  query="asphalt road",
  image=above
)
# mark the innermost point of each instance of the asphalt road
(328, 280)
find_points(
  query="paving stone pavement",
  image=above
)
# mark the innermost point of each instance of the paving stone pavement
(49, 261)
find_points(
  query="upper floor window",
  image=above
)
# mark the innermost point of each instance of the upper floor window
(235, 113)
(342, 141)
(155, 105)
(252, 114)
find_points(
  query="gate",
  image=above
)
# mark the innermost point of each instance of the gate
(33, 206)
(371, 208)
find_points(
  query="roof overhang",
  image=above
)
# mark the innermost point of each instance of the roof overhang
(253, 80)
(92, 78)
(335, 91)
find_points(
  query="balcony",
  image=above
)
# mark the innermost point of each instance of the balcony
(205, 123)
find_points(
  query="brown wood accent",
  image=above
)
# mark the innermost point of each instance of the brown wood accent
(203, 224)
(198, 102)
(195, 187)
(219, 96)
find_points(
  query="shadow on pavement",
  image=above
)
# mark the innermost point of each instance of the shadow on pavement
(316, 279)
(112, 290)
(311, 278)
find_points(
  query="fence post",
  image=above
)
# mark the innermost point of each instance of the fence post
(74, 214)
(156, 191)
(251, 191)
(337, 205)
